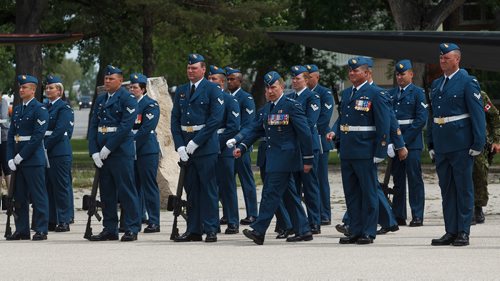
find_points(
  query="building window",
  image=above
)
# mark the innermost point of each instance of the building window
(473, 12)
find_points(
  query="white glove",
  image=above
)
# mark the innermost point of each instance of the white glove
(18, 159)
(472, 152)
(104, 153)
(230, 143)
(191, 147)
(183, 153)
(97, 160)
(432, 154)
(377, 160)
(390, 150)
(11, 164)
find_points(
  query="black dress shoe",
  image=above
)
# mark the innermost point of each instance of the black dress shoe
(232, 229)
(415, 222)
(38, 236)
(247, 220)
(401, 221)
(326, 222)
(188, 237)
(63, 227)
(18, 236)
(223, 221)
(446, 239)
(461, 240)
(384, 230)
(211, 237)
(343, 228)
(315, 229)
(283, 234)
(129, 236)
(348, 240)
(152, 228)
(365, 239)
(254, 236)
(478, 214)
(52, 226)
(104, 236)
(297, 238)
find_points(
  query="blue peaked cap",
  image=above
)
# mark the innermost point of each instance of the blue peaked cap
(138, 78)
(271, 77)
(25, 78)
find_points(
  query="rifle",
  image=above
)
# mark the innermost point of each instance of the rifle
(429, 106)
(90, 204)
(175, 202)
(337, 105)
(8, 204)
(385, 185)
(491, 154)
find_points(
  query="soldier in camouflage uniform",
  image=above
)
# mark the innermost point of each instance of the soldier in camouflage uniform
(481, 165)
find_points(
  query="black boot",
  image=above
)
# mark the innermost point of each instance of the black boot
(478, 214)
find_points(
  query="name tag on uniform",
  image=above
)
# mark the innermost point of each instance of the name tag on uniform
(363, 105)
(277, 119)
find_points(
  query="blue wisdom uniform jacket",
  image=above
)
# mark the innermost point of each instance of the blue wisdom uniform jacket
(120, 112)
(60, 128)
(204, 108)
(31, 122)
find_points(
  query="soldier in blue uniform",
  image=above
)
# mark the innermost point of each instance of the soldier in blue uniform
(147, 150)
(26, 155)
(111, 145)
(196, 115)
(363, 129)
(243, 164)
(457, 115)
(323, 124)
(307, 183)
(289, 149)
(58, 146)
(226, 180)
(409, 105)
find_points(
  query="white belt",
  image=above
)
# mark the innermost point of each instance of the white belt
(347, 128)
(405, 122)
(3, 121)
(48, 133)
(135, 131)
(444, 120)
(221, 130)
(194, 128)
(18, 138)
(105, 129)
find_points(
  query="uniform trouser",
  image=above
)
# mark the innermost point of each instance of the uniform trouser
(59, 189)
(244, 170)
(30, 182)
(283, 221)
(480, 179)
(324, 187)
(308, 184)
(147, 170)
(277, 187)
(226, 183)
(71, 194)
(116, 183)
(410, 167)
(359, 179)
(202, 194)
(386, 217)
(454, 171)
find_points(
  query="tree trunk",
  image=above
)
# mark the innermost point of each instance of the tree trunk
(258, 88)
(29, 57)
(148, 65)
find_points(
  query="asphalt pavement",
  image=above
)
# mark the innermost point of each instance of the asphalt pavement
(402, 255)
